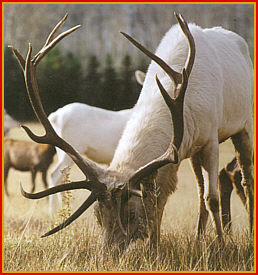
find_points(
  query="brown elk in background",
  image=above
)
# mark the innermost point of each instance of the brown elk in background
(27, 156)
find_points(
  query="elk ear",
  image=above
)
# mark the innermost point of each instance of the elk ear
(140, 76)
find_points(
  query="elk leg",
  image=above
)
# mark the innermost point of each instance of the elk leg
(237, 184)
(210, 161)
(44, 178)
(234, 174)
(225, 191)
(203, 212)
(243, 143)
(6, 171)
(33, 176)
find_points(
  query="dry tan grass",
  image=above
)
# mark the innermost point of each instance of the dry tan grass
(78, 248)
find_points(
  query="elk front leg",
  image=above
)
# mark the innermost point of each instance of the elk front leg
(210, 160)
(203, 212)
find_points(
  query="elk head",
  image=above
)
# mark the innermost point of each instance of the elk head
(125, 209)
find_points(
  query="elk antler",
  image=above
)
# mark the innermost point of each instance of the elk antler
(174, 76)
(86, 166)
(175, 105)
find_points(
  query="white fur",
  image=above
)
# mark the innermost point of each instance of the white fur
(92, 131)
(9, 123)
(218, 104)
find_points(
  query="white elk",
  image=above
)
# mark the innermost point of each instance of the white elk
(9, 123)
(92, 131)
(212, 101)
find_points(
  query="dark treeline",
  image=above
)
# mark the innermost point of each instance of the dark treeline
(63, 80)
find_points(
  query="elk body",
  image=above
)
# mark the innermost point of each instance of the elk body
(208, 104)
(92, 131)
(27, 156)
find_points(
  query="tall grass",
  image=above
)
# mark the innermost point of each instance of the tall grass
(79, 249)
(79, 246)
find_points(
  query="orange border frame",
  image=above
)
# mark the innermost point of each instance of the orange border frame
(130, 2)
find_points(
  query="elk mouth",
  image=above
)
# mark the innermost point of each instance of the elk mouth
(128, 222)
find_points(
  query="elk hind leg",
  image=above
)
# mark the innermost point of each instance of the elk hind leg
(44, 178)
(237, 184)
(210, 160)
(243, 142)
(225, 191)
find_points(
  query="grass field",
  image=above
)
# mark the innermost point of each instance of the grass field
(78, 248)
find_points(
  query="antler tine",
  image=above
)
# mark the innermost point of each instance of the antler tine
(176, 109)
(191, 56)
(50, 137)
(49, 46)
(57, 189)
(52, 35)
(18, 56)
(50, 43)
(174, 76)
(89, 201)
(171, 154)
(60, 188)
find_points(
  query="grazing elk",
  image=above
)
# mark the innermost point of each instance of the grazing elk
(208, 104)
(9, 123)
(27, 156)
(76, 124)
